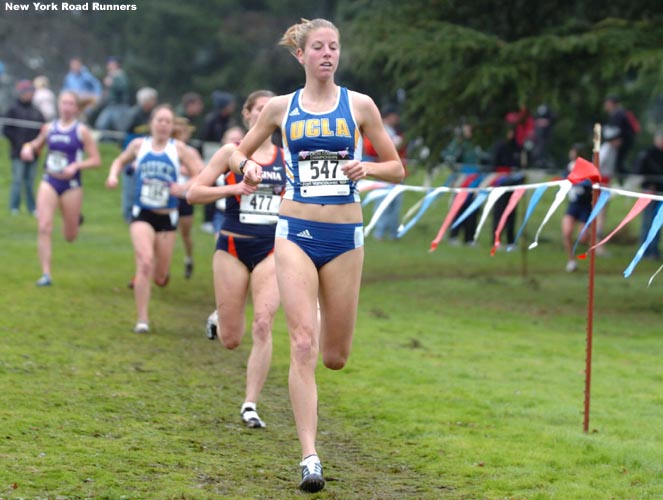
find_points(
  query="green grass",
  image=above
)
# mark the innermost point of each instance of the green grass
(466, 379)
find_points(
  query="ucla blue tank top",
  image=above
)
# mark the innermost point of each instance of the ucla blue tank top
(316, 146)
(256, 214)
(155, 172)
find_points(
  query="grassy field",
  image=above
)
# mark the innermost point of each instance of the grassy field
(466, 379)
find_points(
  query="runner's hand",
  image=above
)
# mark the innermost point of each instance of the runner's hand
(354, 170)
(252, 173)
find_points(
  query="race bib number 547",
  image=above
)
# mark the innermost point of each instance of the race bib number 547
(321, 173)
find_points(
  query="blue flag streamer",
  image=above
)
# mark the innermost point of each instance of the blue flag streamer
(655, 226)
(474, 206)
(428, 199)
(604, 196)
(533, 202)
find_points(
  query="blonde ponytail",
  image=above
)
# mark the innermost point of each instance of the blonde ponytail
(296, 35)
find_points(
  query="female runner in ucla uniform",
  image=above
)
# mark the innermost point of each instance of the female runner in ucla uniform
(245, 251)
(160, 162)
(69, 142)
(319, 238)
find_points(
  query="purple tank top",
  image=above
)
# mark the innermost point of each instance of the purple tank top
(64, 147)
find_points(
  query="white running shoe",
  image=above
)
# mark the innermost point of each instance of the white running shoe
(45, 280)
(212, 325)
(141, 327)
(250, 416)
(312, 480)
(571, 266)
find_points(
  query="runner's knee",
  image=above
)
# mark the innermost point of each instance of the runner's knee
(262, 327)
(303, 347)
(144, 266)
(335, 360)
(230, 337)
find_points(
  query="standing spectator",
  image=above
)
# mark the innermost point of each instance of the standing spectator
(523, 126)
(608, 161)
(83, 84)
(387, 224)
(464, 153)
(578, 210)
(622, 119)
(506, 152)
(462, 148)
(507, 157)
(219, 119)
(543, 129)
(44, 98)
(216, 123)
(650, 165)
(138, 126)
(115, 104)
(192, 107)
(23, 171)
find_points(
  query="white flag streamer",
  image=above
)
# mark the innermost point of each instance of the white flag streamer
(375, 195)
(383, 206)
(494, 195)
(564, 188)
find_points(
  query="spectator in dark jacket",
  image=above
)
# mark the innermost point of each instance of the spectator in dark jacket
(506, 158)
(115, 104)
(650, 165)
(219, 119)
(618, 116)
(23, 172)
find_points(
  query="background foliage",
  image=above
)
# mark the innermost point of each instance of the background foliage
(444, 59)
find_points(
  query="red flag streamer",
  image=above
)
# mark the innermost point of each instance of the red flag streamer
(513, 201)
(590, 299)
(455, 207)
(637, 207)
(584, 170)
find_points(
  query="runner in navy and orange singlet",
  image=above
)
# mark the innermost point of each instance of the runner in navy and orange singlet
(319, 237)
(160, 163)
(71, 148)
(244, 256)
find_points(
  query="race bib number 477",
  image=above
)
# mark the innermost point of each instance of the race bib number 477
(321, 173)
(260, 207)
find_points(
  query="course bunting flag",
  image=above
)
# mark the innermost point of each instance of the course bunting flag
(485, 190)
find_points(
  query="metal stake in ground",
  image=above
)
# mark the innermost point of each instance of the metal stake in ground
(590, 301)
